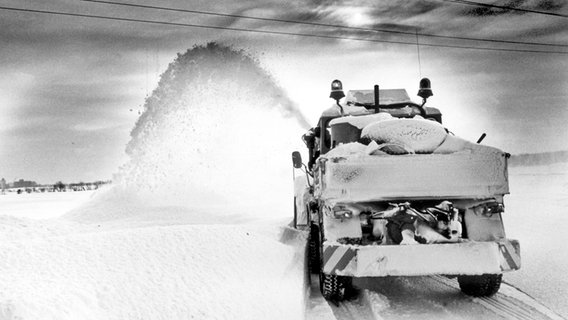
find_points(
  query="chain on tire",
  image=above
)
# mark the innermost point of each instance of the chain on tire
(336, 288)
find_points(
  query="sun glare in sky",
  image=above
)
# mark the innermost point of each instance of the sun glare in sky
(355, 16)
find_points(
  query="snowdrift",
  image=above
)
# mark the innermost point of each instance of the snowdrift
(175, 272)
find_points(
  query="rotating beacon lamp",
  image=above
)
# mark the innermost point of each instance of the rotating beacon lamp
(337, 93)
(425, 90)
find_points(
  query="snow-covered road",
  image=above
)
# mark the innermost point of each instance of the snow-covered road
(537, 215)
(435, 297)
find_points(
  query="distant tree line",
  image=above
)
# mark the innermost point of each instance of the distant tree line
(79, 186)
(537, 159)
(60, 186)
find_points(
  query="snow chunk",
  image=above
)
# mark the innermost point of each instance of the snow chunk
(456, 144)
(362, 121)
(421, 136)
(345, 150)
(378, 303)
(334, 111)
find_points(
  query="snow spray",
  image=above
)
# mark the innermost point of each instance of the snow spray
(217, 131)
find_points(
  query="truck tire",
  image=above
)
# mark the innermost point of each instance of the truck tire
(335, 288)
(480, 286)
(313, 249)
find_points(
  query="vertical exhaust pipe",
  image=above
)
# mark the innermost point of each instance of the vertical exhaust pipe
(376, 98)
(481, 138)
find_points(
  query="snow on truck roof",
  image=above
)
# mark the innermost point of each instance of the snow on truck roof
(386, 97)
(334, 111)
(362, 121)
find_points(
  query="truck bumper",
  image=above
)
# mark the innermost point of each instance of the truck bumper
(466, 258)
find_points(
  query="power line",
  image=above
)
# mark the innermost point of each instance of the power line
(318, 24)
(479, 4)
(309, 35)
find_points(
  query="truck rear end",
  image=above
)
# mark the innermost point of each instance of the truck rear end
(394, 194)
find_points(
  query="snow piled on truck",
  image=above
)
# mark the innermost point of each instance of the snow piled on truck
(429, 162)
(415, 135)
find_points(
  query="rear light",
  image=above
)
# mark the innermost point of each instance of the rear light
(489, 208)
(340, 212)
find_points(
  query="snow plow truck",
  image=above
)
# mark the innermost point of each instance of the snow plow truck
(389, 191)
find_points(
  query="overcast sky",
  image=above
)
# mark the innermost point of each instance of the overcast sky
(71, 88)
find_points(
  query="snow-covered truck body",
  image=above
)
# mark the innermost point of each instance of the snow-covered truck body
(361, 183)
(393, 193)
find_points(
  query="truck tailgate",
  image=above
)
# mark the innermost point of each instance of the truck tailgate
(457, 175)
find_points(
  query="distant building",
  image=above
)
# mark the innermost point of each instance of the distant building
(24, 184)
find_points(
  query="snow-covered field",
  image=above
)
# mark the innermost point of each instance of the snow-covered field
(53, 204)
(183, 263)
(152, 265)
(537, 214)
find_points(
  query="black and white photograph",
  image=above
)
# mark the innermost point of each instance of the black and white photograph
(294, 160)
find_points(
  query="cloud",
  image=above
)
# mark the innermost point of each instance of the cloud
(71, 82)
(510, 6)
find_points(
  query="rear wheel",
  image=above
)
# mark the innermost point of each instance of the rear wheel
(313, 249)
(332, 287)
(335, 288)
(480, 286)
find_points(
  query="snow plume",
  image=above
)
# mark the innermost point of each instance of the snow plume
(217, 132)
(194, 226)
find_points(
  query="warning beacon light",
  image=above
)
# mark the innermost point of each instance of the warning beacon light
(336, 90)
(425, 90)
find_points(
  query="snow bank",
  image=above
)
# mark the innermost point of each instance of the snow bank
(53, 203)
(176, 272)
(158, 264)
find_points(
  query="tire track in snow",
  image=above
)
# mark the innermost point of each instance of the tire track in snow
(433, 297)
(317, 307)
(365, 307)
(359, 308)
(509, 303)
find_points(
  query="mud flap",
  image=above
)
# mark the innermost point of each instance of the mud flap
(337, 258)
(510, 255)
